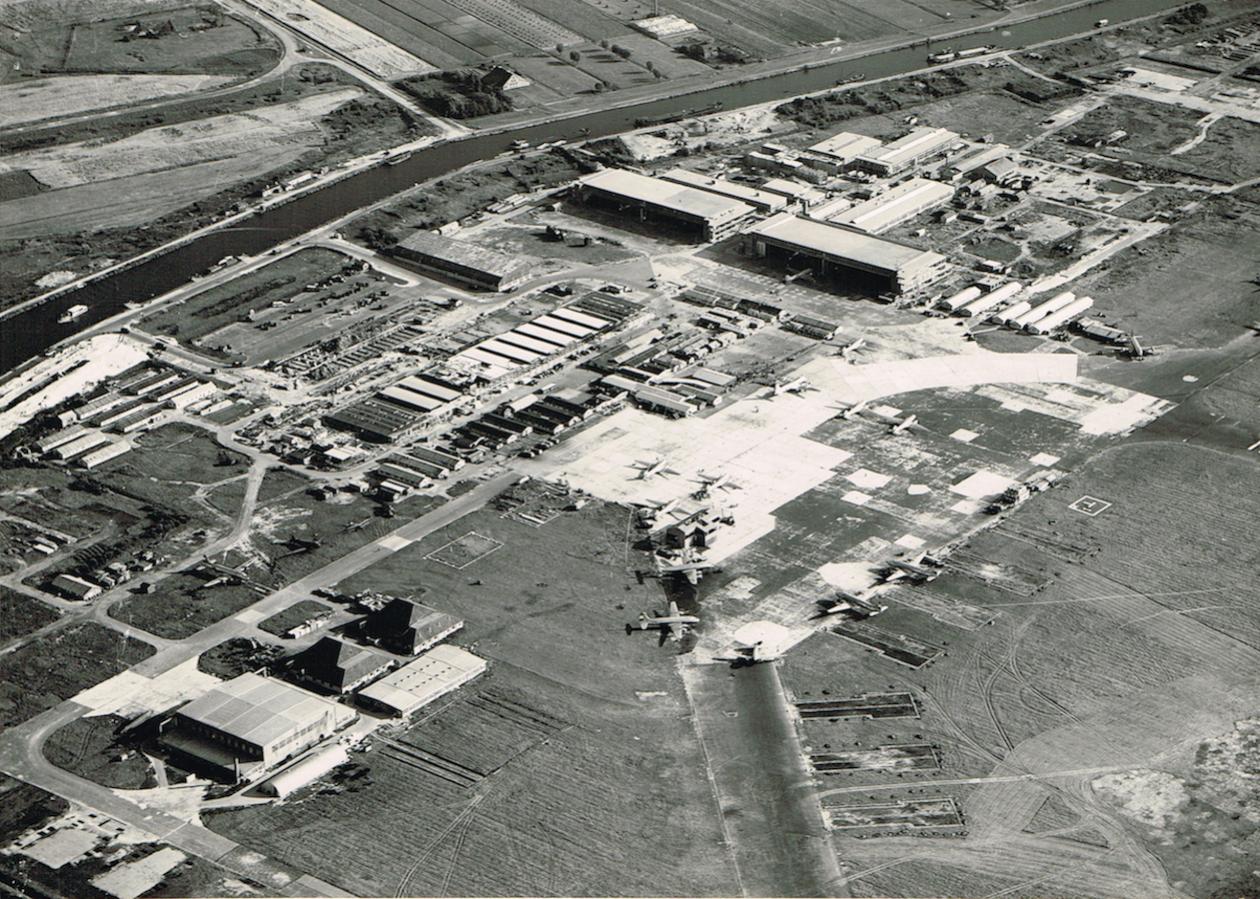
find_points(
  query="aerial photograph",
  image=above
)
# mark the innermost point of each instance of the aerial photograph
(662, 448)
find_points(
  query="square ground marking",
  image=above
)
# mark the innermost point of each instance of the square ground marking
(868, 480)
(962, 435)
(1045, 460)
(1090, 505)
(463, 551)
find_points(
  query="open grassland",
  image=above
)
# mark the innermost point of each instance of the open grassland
(180, 452)
(21, 615)
(1135, 656)
(1190, 286)
(175, 169)
(36, 677)
(571, 761)
(92, 748)
(562, 787)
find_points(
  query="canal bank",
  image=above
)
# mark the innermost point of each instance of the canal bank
(30, 332)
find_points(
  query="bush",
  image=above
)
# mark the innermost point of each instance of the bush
(574, 56)
(621, 51)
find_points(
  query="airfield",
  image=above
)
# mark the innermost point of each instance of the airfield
(1046, 684)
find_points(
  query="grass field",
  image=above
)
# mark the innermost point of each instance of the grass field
(281, 623)
(91, 39)
(580, 758)
(20, 615)
(1210, 256)
(90, 748)
(36, 677)
(179, 452)
(280, 281)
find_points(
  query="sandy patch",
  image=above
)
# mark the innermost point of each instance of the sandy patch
(1150, 797)
(50, 98)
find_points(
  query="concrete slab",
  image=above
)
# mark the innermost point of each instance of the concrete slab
(1045, 460)
(127, 881)
(129, 694)
(868, 480)
(393, 543)
(982, 484)
(962, 435)
(856, 497)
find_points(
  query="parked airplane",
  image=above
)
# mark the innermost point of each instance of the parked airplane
(844, 601)
(298, 545)
(917, 569)
(673, 625)
(905, 424)
(796, 385)
(1135, 349)
(853, 346)
(692, 570)
(714, 482)
(649, 469)
(851, 411)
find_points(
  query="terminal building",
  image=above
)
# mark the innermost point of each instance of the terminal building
(892, 207)
(710, 216)
(461, 261)
(832, 251)
(899, 155)
(248, 725)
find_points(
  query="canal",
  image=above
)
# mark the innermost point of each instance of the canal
(26, 334)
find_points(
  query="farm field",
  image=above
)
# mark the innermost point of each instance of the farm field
(46, 98)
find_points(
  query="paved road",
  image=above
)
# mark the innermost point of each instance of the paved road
(21, 748)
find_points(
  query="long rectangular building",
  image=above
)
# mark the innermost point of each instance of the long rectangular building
(836, 250)
(462, 261)
(714, 217)
(895, 206)
(904, 152)
(759, 199)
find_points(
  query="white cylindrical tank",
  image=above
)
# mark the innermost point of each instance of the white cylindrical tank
(1041, 310)
(1061, 317)
(1010, 313)
(992, 299)
(311, 768)
(961, 298)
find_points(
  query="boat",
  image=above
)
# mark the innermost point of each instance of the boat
(402, 157)
(1102, 23)
(852, 78)
(668, 118)
(71, 314)
(943, 56)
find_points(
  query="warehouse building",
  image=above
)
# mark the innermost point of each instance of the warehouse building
(462, 261)
(905, 152)
(415, 685)
(103, 454)
(73, 587)
(339, 667)
(845, 147)
(248, 725)
(892, 207)
(836, 251)
(761, 200)
(407, 627)
(710, 216)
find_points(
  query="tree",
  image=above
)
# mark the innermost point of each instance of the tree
(574, 56)
(599, 87)
(621, 51)
(559, 48)
(604, 43)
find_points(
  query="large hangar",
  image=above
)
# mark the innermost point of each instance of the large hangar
(832, 250)
(248, 725)
(715, 217)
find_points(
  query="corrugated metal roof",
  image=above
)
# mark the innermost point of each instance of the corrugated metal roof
(261, 710)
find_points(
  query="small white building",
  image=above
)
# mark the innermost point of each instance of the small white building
(413, 686)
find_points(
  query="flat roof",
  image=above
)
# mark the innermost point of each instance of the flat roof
(919, 142)
(668, 195)
(261, 709)
(842, 243)
(461, 252)
(726, 188)
(846, 145)
(435, 672)
(542, 332)
(892, 206)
